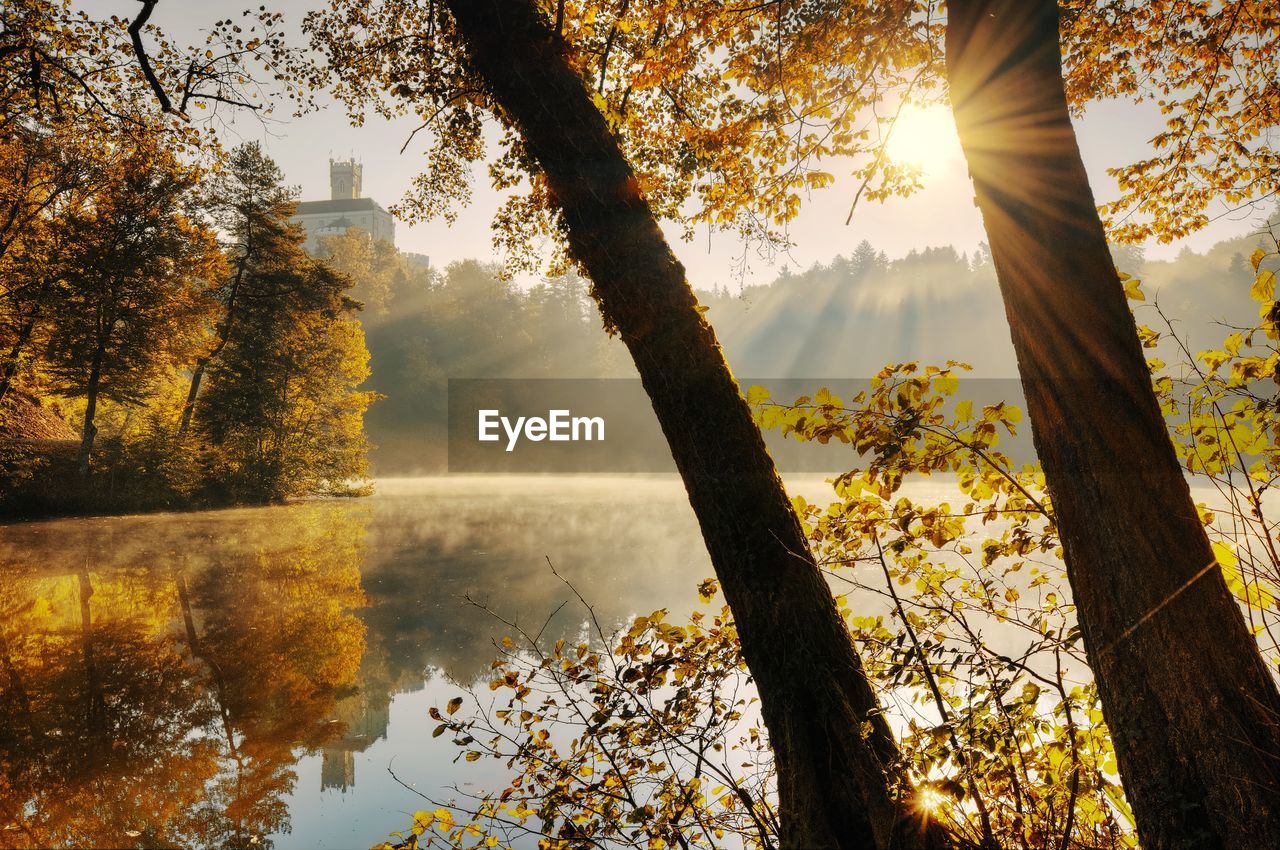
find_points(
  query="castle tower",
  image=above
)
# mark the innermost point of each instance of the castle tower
(344, 179)
(345, 209)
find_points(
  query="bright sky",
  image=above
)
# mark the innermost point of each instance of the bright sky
(1110, 134)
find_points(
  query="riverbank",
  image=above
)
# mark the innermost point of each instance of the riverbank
(148, 468)
(39, 479)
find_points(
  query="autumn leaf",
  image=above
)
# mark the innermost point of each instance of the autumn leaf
(1264, 287)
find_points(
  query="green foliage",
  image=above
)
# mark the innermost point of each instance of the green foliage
(282, 410)
(468, 322)
(116, 299)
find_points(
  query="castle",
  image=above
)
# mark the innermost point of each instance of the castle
(344, 209)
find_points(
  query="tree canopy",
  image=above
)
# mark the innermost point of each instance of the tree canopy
(731, 112)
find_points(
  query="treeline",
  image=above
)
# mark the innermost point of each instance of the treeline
(166, 340)
(426, 326)
(844, 319)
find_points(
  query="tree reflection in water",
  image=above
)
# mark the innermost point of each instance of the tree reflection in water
(164, 698)
(163, 677)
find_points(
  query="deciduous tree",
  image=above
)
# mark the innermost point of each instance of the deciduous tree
(136, 284)
(1193, 710)
(841, 782)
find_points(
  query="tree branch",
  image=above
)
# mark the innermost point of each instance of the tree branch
(144, 61)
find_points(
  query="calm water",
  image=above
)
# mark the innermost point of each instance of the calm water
(210, 679)
(252, 677)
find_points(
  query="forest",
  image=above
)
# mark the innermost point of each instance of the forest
(944, 646)
(839, 320)
(172, 316)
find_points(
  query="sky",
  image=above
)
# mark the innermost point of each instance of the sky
(943, 213)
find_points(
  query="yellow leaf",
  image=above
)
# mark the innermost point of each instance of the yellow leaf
(422, 820)
(1133, 290)
(1256, 258)
(1224, 556)
(454, 705)
(824, 397)
(946, 383)
(1264, 286)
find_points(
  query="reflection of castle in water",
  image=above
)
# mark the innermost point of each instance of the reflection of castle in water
(367, 715)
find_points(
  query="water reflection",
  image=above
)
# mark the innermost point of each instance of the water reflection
(156, 697)
(216, 679)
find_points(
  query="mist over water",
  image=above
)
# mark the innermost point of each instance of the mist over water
(259, 669)
(210, 678)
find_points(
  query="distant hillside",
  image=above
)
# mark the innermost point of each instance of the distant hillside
(842, 320)
(848, 318)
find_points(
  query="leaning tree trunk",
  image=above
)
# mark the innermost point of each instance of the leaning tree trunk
(839, 786)
(224, 336)
(193, 393)
(1192, 709)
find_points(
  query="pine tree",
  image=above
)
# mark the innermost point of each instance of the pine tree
(251, 205)
(282, 413)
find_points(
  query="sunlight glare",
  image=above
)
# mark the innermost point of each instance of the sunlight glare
(924, 138)
(930, 801)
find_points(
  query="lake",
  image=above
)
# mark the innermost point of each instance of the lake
(251, 677)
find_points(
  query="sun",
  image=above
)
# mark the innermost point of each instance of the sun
(923, 137)
(930, 801)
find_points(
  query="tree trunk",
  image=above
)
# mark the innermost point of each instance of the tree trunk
(188, 408)
(224, 336)
(90, 410)
(11, 364)
(840, 778)
(1192, 708)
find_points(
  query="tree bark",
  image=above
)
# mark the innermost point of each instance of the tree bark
(840, 777)
(1192, 708)
(193, 392)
